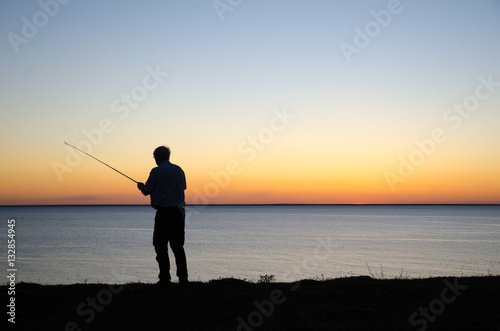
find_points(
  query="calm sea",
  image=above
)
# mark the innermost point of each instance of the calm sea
(69, 244)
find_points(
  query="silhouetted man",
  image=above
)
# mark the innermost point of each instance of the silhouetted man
(166, 185)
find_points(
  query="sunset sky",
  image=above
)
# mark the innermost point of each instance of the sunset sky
(260, 101)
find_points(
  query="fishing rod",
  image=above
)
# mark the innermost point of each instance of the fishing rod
(121, 173)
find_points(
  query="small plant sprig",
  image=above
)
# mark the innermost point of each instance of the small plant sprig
(266, 279)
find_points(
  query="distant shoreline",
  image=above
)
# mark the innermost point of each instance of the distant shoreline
(268, 205)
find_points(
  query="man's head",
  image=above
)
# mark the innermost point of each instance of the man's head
(161, 154)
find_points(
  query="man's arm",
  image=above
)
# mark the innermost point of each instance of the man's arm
(140, 186)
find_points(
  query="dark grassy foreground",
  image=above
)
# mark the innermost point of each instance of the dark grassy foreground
(360, 303)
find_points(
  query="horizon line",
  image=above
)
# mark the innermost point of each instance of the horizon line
(268, 204)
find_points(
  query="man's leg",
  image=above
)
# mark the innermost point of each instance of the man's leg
(177, 244)
(180, 261)
(160, 242)
(163, 262)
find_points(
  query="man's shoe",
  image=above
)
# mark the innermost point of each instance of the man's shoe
(183, 282)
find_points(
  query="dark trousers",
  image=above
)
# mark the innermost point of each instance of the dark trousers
(169, 228)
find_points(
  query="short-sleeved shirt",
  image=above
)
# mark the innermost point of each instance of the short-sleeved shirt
(166, 183)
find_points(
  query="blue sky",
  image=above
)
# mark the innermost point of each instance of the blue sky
(225, 77)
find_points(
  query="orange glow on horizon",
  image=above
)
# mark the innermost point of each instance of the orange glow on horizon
(91, 183)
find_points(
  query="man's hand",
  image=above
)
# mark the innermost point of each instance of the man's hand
(140, 186)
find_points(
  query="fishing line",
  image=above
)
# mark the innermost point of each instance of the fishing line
(121, 173)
